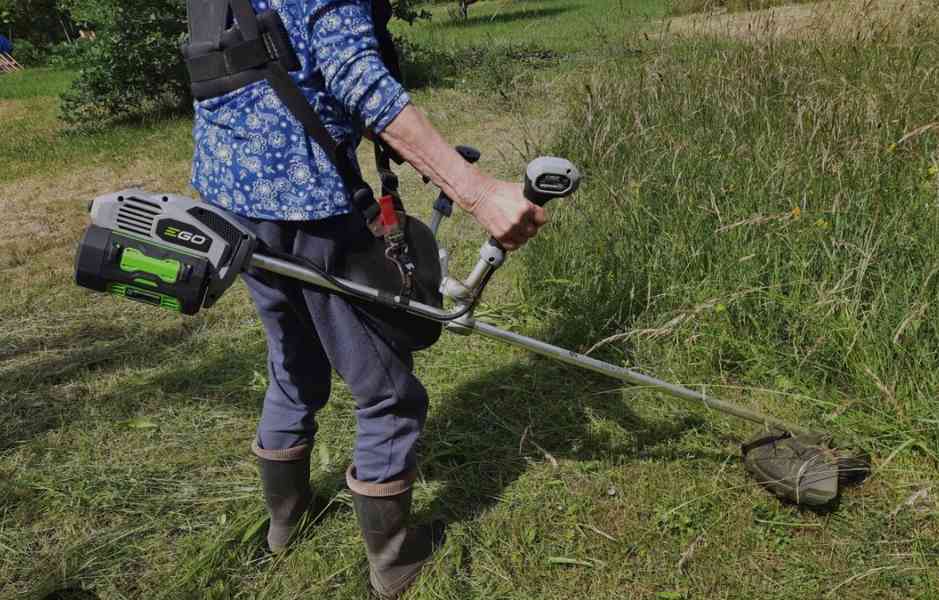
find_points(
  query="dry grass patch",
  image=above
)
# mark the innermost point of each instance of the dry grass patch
(46, 213)
(11, 110)
(857, 20)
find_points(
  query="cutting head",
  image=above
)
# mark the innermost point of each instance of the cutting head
(805, 469)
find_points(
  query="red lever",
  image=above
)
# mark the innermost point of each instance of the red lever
(388, 215)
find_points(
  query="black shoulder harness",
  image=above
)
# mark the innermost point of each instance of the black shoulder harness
(224, 54)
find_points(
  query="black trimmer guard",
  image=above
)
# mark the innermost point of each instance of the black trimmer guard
(804, 469)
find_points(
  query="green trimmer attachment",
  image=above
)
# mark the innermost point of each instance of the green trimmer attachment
(806, 469)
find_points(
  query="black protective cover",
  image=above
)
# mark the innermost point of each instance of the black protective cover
(802, 469)
(366, 263)
(97, 266)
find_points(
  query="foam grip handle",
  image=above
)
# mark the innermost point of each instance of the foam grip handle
(547, 178)
(534, 196)
(550, 177)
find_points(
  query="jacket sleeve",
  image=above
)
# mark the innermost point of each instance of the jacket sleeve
(343, 39)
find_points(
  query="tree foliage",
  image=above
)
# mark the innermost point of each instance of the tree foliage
(134, 67)
(40, 22)
(406, 11)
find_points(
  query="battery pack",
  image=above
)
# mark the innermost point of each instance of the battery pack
(126, 266)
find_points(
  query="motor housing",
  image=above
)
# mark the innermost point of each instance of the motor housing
(160, 249)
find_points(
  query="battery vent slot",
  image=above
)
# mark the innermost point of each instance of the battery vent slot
(137, 216)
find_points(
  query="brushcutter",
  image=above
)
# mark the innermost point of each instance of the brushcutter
(177, 253)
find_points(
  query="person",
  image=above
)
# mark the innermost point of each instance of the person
(6, 46)
(254, 159)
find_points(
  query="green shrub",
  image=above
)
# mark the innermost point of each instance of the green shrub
(27, 53)
(134, 67)
(41, 22)
(70, 54)
(59, 56)
(751, 214)
(408, 11)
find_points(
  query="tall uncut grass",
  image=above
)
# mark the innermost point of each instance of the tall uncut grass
(684, 7)
(762, 213)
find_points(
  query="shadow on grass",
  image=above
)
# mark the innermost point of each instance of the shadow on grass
(43, 394)
(506, 17)
(480, 439)
(71, 594)
(489, 432)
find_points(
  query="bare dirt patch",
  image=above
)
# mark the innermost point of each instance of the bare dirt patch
(883, 20)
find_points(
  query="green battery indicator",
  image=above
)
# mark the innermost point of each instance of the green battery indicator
(135, 261)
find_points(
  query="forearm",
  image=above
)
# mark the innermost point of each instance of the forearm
(346, 53)
(417, 141)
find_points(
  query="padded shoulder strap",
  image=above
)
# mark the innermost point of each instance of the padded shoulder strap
(246, 18)
(207, 21)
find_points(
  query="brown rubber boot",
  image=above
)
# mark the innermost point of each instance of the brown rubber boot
(395, 552)
(285, 475)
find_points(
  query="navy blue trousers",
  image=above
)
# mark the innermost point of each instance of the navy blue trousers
(310, 333)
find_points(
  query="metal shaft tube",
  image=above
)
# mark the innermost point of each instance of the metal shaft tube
(629, 376)
(288, 269)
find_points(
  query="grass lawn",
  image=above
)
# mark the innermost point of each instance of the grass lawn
(124, 431)
(560, 25)
(42, 146)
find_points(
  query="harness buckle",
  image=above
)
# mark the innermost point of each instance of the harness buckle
(270, 46)
(396, 245)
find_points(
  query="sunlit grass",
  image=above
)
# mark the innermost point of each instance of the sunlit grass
(753, 221)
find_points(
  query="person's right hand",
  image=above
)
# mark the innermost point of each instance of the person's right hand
(505, 213)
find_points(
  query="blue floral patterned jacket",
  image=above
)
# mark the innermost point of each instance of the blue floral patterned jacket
(252, 156)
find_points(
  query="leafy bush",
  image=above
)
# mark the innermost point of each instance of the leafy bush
(61, 55)
(407, 11)
(134, 67)
(762, 213)
(41, 22)
(27, 53)
(70, 54)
